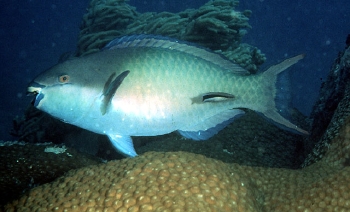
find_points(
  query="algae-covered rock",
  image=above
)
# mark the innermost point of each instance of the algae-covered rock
(331, 109)
(25, 165)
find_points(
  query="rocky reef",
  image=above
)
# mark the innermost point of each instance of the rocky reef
(331, 109)
(25, 166)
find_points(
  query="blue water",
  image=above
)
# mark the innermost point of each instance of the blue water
(34, 33)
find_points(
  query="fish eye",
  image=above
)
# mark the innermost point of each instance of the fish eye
(63, 78)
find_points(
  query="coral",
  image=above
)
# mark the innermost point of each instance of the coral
(215, 25)
(152, 182)
(247, 56)
(104, 21)
(164, 23)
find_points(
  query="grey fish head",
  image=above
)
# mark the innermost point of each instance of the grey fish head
(55, 76)
(60, 90)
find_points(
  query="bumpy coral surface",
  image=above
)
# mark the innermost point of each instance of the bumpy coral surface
(151, 182)
(179, 181)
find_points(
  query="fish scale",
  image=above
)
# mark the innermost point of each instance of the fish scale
(150, 85)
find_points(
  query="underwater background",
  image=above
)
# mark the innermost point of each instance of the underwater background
(35, 35)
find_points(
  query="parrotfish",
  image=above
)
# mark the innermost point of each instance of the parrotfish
(145, 85)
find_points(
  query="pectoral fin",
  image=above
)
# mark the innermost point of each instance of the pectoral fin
(123, 144)
(110, 89)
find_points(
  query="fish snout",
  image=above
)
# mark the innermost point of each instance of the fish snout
(34, 88)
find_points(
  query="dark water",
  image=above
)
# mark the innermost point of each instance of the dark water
(34, 33)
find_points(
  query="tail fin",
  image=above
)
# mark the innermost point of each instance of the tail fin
(270, 77)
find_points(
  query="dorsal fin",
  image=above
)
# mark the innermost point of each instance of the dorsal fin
(156, 41)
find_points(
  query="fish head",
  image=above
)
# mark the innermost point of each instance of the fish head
(63, 90)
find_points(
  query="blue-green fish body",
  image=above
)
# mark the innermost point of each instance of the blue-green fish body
(146, 86)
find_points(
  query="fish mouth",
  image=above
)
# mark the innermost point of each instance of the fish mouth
(35, 89)
(31, 91)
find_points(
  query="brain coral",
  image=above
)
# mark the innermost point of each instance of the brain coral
(152, 182)
(179, 181)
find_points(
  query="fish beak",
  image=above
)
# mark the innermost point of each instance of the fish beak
(33, 91)
(34, 88)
